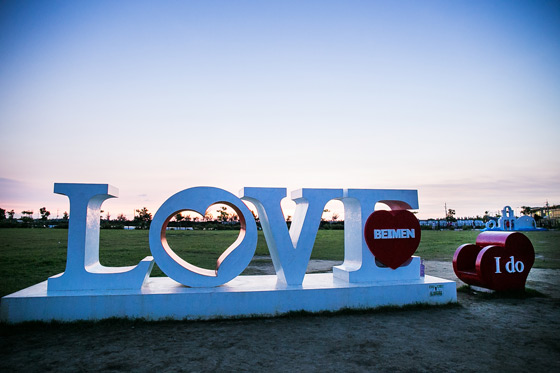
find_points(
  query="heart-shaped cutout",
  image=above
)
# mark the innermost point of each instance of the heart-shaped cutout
(392, 236)
(505, 261)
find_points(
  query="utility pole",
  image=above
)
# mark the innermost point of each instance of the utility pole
(445, 212)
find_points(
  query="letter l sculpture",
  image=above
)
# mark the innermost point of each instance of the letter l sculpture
(83, 270)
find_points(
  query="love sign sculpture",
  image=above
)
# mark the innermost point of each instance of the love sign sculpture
(379, 272)
(498, 261)
(290, 250)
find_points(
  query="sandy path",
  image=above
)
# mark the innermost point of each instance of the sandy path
(479, 334)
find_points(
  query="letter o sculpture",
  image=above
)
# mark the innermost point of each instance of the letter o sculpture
(232, 261)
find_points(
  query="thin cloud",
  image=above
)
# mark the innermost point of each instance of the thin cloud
(12, 189)
(520, 185)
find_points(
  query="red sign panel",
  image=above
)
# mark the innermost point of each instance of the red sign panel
(392, 236)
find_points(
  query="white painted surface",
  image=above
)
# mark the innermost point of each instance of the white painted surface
(230, 263)
(290, 250)
(359, 264)
(244, 296)
(83, 270)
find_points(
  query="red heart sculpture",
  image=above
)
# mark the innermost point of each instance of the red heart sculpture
(392, 236)
(498, 261)
(505, 261)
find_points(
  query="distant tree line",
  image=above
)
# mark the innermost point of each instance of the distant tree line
(8, 220)
(224, 220)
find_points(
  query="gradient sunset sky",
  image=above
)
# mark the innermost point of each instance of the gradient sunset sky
(458, 99)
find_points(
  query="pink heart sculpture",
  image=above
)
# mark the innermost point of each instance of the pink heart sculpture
(392, 236)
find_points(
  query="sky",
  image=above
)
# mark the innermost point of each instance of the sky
(459, 100)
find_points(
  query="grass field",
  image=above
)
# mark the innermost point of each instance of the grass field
(29, 256)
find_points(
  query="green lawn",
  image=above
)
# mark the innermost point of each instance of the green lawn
(29, 256)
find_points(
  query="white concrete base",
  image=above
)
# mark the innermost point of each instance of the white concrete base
(162, 298)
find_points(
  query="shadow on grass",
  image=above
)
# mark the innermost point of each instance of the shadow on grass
(508, 294)
(370, 311)
(116, 322)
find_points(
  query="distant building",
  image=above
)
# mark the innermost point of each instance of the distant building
(547, 216)
(460, 223)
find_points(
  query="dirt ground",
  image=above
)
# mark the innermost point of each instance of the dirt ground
(481, 333)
